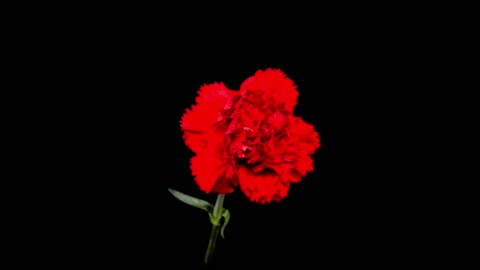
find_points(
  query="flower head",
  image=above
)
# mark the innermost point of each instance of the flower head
(249, 138)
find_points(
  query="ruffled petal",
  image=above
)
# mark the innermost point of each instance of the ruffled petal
(276, 86)
(197, 121)
(262, 187)
(304, 135)
(210, 172)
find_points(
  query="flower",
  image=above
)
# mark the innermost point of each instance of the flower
(249, 138)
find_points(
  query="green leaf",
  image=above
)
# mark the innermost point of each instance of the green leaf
(204, 205)
(226, 216)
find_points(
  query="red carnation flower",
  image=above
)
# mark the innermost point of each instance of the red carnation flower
(249, 138)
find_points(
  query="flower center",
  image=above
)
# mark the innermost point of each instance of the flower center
(244, 149)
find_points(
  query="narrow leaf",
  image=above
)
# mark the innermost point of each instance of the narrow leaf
(204, 205)
(226, 215)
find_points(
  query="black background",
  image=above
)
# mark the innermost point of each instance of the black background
(126, 87)
(135, 152)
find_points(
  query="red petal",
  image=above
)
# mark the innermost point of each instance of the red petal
(210, 172)
(262, 187)
(197, 121)
(304, 134)
(276, 85)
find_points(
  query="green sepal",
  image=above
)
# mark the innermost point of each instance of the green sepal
(226, 216)
(204, 205)
(213, 220)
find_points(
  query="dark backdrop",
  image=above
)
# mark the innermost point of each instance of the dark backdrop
(127, 92)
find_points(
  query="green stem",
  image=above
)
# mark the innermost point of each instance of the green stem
(217, 210)
(211, 243)
(217, 214)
